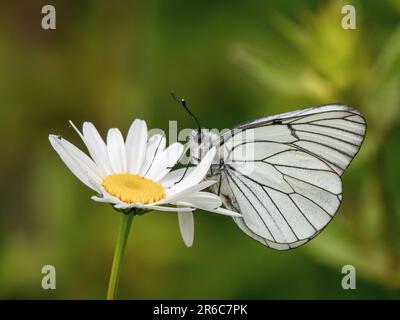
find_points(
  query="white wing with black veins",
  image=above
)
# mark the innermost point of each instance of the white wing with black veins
(282, 173)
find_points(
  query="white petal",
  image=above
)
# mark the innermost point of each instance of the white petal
(158, 166)
(96, 147)
(79, 163)
(106, 199)
(175, 176)
(77, 131)
(164, 161)
(172, 154)
(116, 150)
(196, 175)
(179, 195)
(219, 210)
(203, 200)
(155, 145)
(186, 225)
(167, 209)
(136, 145)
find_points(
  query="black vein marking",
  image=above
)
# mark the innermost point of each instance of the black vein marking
(328, 136)
(329, 163)
(300, 194)
(356, 122)
(244, 195)
(291, 117)
(302, 213)
(302, 116)
(232, 132)
(291, 166)
(263, 160)
(328, 146)
(256, 141)
(277, 153)
(283, 245)
(283, 174)
(250, 233)
(297, 167)
(334, 128)
(329, 119)
(309, 183)
(362, 123)
(288, 119)
(265, 240)
(290, 195)
(293, 132)
(292, 120)
(297, 147)
(322, 208)
(266, 209)
(339, 125)
(280, 212)
(284, 178)
(261, 184)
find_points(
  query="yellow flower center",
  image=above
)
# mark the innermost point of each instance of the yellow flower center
(131, 188)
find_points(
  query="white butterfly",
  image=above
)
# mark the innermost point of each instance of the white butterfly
(283, 172)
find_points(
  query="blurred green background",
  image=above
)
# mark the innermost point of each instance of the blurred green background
(111, 62)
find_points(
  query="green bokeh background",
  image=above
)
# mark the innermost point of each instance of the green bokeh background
(110, 62)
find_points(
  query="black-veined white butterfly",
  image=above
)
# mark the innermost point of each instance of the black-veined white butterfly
(283, 172)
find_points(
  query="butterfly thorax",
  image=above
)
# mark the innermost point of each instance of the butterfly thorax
(200, 142)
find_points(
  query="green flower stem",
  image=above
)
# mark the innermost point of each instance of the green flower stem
(118, 255)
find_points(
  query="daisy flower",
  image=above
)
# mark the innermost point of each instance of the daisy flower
(135, 176)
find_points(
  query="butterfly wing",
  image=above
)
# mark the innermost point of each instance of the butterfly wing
(283, 172)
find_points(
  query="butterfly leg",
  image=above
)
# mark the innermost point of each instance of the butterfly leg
(221, 169)
(219, 183)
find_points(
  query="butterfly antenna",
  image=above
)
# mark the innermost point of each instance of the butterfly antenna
(182, 102)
